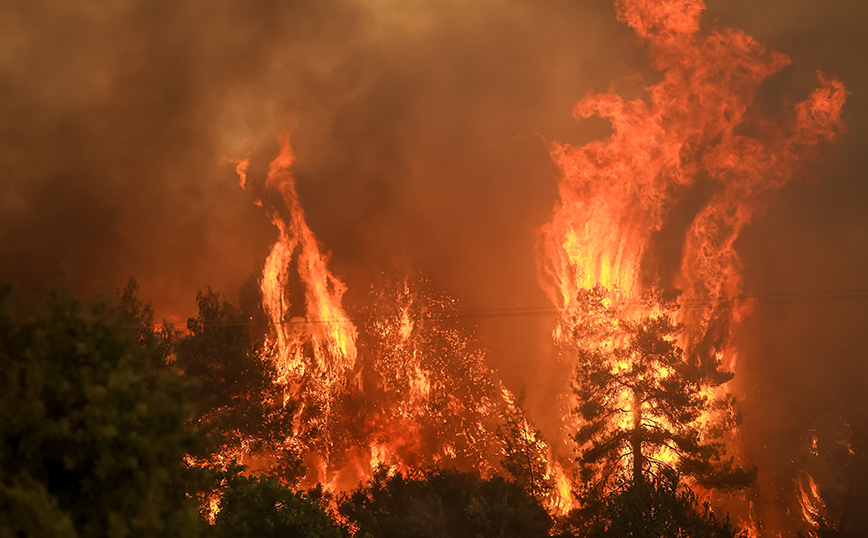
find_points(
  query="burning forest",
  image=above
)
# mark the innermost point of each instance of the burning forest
(469, 313)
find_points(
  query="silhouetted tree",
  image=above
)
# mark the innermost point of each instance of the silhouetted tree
(654, 508)
(840, 465)
(524, 452)
(641, 401)
(261, 507)
(443, 504)
(92, 429)
(135, 318)
(237, 397)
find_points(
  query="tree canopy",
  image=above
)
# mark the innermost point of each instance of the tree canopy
(643, 405)
(262, 507)
(660, 507)
(443, 504)
(94, 427)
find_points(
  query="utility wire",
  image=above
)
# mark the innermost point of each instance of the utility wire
(810, 297)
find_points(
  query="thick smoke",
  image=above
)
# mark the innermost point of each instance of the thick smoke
(422, 132)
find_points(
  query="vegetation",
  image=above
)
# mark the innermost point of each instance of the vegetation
(524, 452)
(656, 508)
(236, 395)
(94, 426)
(441, 504)
(641, 400)
(103, 414)
(262, 507)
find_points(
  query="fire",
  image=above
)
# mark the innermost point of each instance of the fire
(813, 507)
(334, 339)
(408, 388)
(694, 144)
(312, 341)
(405, 390)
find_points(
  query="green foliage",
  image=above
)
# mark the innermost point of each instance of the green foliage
(93, 426)
(236, 393)
(262, 507)
(441, 504)
(656, 508)
(135, 319)
(27, 509)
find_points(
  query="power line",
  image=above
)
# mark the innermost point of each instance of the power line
(786, 298)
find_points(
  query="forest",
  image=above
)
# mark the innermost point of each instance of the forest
(114, 425)
(466, 268)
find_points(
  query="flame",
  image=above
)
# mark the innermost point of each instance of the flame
(409, 388)
(813, 507)
(312, 341)
(415, 394)
(434, 398)
(563, 500)
(694, 143)
(326, 323)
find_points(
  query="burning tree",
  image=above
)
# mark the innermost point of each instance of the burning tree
(407, 390)
(660, 203)
(238, 402)
(525, 452)
(425, 379)
(643, 404)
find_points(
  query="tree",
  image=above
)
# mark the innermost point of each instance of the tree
(659, 507)
(642, 403)
(524, 452)
(261, 507)
(135, 318)
(93, 433)
(424, 379)
(443, 504)
(238, 399)
(833, 504)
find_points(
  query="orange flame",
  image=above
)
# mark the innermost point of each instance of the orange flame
(694, 144)
(813, 507)
(312, 340)
(326, 323)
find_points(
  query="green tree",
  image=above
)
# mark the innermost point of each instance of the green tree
(135, 318)
(641, 403)
(93, 433)
(655, 508)
(443, 504)
(261, 507)
(238, 399)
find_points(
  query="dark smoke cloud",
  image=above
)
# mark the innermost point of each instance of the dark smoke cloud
(421, 130)
(804, 364)
(421, 133)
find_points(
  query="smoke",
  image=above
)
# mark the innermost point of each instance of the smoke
(422, 133)
(801, 364)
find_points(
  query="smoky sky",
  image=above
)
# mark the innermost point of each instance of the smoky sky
(422, 132)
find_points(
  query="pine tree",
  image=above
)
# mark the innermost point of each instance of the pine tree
(525, 452)
(643, 405)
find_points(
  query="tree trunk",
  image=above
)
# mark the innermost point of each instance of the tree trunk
(636, 438)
